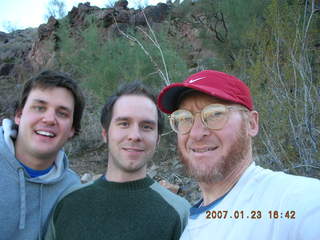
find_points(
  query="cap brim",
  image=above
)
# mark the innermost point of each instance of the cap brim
(170, 95)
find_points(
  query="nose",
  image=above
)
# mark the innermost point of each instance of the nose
(49, 117)
(134, 134)
(198, 129)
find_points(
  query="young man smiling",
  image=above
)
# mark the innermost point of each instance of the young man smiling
(125, 203)
(213, 115)
(33, 169)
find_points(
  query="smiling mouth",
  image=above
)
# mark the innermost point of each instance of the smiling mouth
(45, 133)
(203, 150)
(133, 150)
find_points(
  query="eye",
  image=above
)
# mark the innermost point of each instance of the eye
(62, 114)
(217, 114)
(182, 116)
(147, 127)
(123, 124)
(213, 113)
(184, 119)
(38, 108)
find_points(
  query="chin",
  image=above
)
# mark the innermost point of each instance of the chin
(215, 170)
(203, 172)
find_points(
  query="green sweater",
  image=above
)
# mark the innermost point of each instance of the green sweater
(134, 210)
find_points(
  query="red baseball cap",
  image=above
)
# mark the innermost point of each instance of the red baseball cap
(214, 83)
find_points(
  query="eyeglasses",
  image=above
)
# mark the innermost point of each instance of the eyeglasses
(213, 116)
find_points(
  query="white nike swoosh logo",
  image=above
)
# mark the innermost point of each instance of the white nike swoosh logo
(197, 79)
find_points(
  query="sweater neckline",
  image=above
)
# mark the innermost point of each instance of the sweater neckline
(126, 186)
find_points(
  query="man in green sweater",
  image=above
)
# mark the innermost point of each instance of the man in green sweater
(125, 203)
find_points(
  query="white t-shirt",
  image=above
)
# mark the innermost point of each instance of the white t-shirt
(263, 205)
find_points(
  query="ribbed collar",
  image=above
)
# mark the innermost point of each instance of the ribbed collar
(125, 186)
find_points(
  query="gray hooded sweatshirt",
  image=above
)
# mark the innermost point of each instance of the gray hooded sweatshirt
(26, 203)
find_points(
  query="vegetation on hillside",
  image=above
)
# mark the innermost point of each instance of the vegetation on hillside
(272, 45)
(131, 55)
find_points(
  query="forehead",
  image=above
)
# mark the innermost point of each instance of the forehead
(52, 95)
(198, 100)
(135, 106)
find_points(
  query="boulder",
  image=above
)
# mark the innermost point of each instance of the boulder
(77, 15)
(155, 14)
(46, 30)
(120, 5)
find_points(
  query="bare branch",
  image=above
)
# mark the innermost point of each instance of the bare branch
(163, 76)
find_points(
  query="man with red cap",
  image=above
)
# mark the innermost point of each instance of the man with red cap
(213, 115)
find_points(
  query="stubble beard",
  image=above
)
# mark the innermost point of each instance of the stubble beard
(211, 173)
(121, 164)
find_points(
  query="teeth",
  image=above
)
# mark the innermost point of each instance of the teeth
(48, 134)
(133, 150)
(200, 150)
(203, 150)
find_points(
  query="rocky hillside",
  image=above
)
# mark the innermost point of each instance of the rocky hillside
(26, 52)
(277, 55)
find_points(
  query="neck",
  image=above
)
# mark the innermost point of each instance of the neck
(31, 161)
(116, 175)
(214, 190)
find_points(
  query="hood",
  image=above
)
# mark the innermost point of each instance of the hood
(8, 133)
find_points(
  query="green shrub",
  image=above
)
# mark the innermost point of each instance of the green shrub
(284, 85)
(104, 64)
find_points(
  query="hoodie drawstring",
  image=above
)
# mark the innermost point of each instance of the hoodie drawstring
(40, 206)
(22, 185)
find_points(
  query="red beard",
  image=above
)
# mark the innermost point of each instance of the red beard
(207, 173)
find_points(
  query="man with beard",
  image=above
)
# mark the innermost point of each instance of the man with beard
(125, 203)
(213, 115)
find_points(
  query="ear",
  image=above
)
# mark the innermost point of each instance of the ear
(17, 117)
(72, 131)
(104, 135)
(253, 123)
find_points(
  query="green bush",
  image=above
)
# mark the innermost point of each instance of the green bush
(284, 85)
(104, 64)
(270, 45)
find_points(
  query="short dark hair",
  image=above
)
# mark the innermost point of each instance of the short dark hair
(51, 79)
(132, 88)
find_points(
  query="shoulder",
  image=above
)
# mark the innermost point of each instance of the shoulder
(301, 196)
(66, 205)
(72, 176)
(304, 190)
(285, 189)
(73, 197)
(282, 181)
(75, 192)
(177, 202)
(276, 188)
